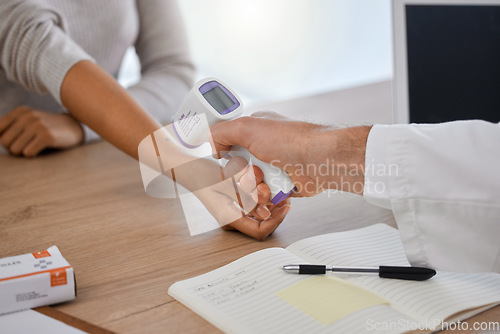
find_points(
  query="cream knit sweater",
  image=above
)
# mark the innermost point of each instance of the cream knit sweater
(40, 40)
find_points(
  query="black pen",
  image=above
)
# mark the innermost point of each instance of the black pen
(406, 273)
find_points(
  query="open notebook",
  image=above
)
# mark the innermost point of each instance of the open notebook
(254, 295)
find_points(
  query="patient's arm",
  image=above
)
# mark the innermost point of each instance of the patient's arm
(97, 100)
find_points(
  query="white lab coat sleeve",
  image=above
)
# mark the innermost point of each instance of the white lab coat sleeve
(442, 183)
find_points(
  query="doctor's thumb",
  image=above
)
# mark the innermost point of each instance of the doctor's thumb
(223, 135)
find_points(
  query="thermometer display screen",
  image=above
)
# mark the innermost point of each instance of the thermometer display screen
(218, 99)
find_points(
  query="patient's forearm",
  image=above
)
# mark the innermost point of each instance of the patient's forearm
(97, 100)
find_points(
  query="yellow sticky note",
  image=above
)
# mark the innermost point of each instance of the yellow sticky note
(328, 299)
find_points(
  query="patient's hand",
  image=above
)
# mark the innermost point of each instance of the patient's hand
(265, 217)
(25, 131)
(238, 199)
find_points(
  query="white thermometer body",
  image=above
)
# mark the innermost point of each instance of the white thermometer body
(219, 103)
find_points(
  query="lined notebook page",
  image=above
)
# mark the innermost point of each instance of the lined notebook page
(370, 246)
(240, 298)
(438, 298)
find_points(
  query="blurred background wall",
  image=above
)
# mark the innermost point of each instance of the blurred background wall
(271, 50)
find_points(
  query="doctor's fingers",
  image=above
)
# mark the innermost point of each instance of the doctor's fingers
(236, 167)
(230, 189)
(250, 192)
(249, 178)
(249, 202)
(252, 181)
(239, 131)
(251, 197)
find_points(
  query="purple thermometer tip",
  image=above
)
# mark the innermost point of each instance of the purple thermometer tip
(279, 197)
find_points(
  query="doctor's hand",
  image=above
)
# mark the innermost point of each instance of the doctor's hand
(317, 157)
(25, 131)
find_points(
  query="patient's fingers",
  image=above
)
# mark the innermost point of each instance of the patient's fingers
(261, 230)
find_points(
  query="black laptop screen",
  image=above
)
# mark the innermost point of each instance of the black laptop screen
(453, 62)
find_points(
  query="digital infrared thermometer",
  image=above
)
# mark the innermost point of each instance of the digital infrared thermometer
(210, 99)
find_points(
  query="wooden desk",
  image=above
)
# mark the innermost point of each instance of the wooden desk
(128, 248)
